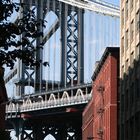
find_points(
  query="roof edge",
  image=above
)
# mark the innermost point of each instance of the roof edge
(108, 51)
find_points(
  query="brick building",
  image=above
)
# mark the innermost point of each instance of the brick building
(100, 115)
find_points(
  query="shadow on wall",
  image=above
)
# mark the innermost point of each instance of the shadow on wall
(130, 100)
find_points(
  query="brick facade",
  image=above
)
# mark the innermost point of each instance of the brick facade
(87, 128)
(103, 122)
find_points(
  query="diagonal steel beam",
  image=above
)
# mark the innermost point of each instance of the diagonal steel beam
(10, 75)
(51, 31)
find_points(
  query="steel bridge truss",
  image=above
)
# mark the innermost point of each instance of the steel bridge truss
(70, 21)
(58, 113)
(72, 45)
(71, 26)
(62, 128)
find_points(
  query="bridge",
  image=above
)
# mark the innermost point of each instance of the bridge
(50, 100)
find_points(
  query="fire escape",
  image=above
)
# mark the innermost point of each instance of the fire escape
(100, 111)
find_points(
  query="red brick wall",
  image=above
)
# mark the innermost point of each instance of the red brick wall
(107, 78)
(87, 128)
(107, 121)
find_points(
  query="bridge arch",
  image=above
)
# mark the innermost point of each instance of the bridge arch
(65, 97)
(79, 95)
(40, 99)
(52, 100)
(52, 97)
(28, 101)
(11, 106)
(49, 137)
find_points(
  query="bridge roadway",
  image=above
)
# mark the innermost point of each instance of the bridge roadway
(59, 109)
(59, 98)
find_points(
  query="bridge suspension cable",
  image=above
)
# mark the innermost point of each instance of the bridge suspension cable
(96, 6)
(54, 54)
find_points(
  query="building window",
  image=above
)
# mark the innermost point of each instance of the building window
(127, 130)
(126, 100)
(132, 60)
(126, 10)
(132, 94)
(138, 21)
(122, 45)
(132, 31)
(122, 103)
(126, 65)
(122, 19)
(138, 52)
(131, 5)
(126, 39)
(131, 128)
(137, 88)
(122, 132)
(122, 71)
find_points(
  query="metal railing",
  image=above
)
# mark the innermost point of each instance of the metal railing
(52, 102)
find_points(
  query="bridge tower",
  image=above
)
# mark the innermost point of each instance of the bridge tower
(72, 35)
(72, 63)
(72, 47)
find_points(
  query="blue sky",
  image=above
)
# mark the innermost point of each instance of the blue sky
(116, 2)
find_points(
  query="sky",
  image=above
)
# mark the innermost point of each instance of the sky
(116, 2)
(97, 36)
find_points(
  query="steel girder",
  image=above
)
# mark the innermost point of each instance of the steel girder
(72, 45)
(72, 42)
(59, 132)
